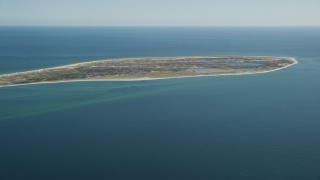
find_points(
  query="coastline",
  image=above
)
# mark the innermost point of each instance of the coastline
(139, 79)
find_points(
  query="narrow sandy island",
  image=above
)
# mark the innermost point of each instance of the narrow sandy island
(136, 69)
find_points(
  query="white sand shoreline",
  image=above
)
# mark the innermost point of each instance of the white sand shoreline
(144, 78)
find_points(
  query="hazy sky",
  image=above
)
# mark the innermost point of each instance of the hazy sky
(160, 12)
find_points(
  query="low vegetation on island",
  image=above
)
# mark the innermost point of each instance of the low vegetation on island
(148, 68)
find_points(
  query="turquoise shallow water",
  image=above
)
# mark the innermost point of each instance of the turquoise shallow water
(263, 126)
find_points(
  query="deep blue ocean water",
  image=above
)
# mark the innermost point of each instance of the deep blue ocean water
(262, 126)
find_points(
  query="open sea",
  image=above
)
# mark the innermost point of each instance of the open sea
(250, 127)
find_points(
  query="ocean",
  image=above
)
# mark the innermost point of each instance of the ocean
(260, 126)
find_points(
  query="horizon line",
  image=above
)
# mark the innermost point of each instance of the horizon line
(23, 25)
